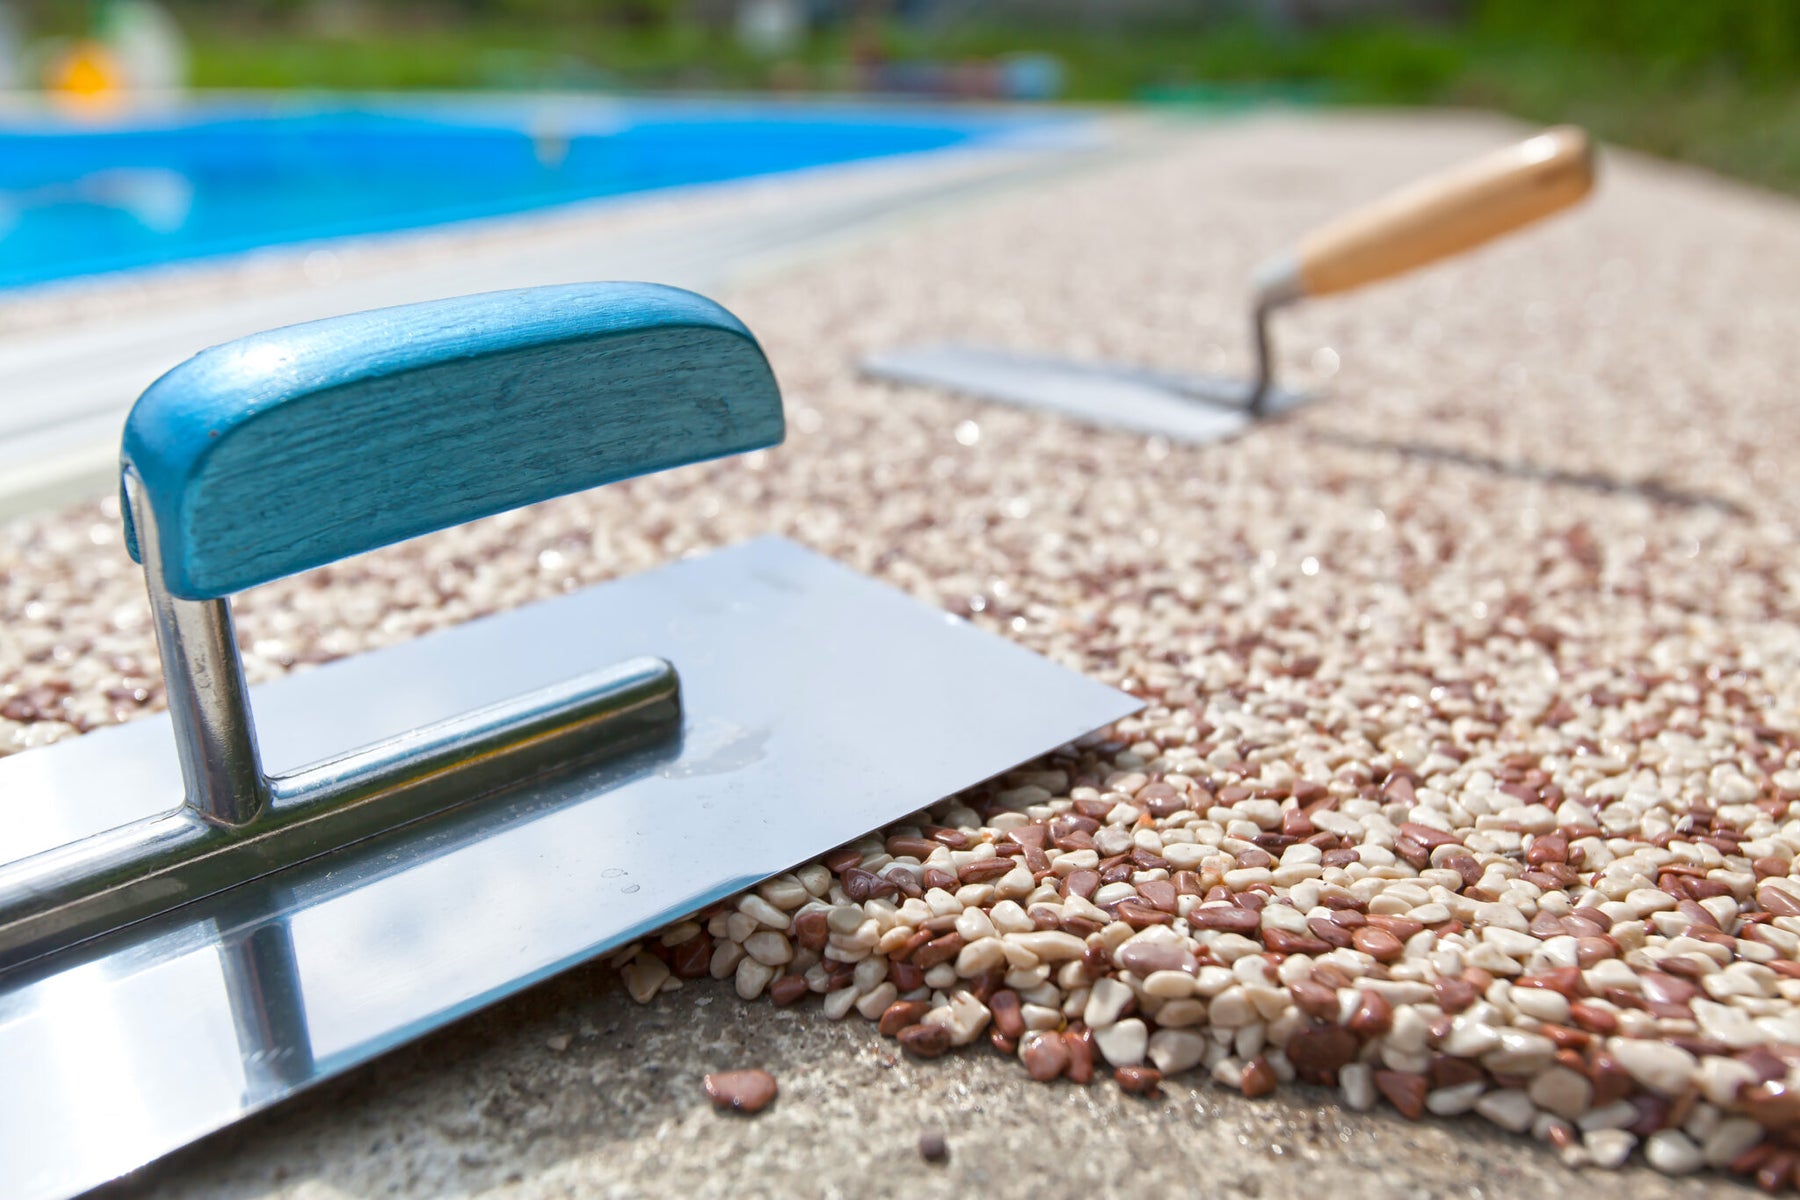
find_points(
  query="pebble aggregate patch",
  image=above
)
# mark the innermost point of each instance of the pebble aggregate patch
(1468, 775)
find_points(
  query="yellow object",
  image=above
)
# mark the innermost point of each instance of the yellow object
(86, 76)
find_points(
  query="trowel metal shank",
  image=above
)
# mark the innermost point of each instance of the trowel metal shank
(816, 705)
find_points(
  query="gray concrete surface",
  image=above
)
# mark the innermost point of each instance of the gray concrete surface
(492, 1109)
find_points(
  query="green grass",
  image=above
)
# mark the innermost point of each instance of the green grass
(1684, 81)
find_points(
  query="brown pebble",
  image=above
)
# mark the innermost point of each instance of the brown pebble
(1159, 894)
(1564, 980)
(812, 929)
(1315, 999)
(986, 871)
(937, 877)
(1454, 995)
(747, 1091)
(1426, 836)
(905, 976)
(1465, 866)
(1772, 1104)
(937, 950)
(1569, 1040)
(1659, 988)
(1005, 1006)
(1139, 1081)
(1404, 1090)
(1769, 868)
(1612, 1082)
(926, 1041)
(1080, 1042)
(1547, 848)
(1329, 931)
(1593, 1018)
(1447, 1070)
(1138, 915)
(1161, 799)
(1283, 942)
(933, 1148)
(1652, 1113)
(1682, 966)
(1258, 1078)
(838, 861)
(1590, 950)
(901, 1014)
(1146, 958)
(1778, 901)
(1374, 1015)
(861, 885)
(1331, 976)
(693, 958)
(1319, 1051)
(1035, 836)
(955, 839)
(1400, 927)
(1226, 919)
(1083, 883)
(1378, 944)
(788, 989)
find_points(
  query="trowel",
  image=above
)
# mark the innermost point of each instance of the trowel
(1431, 220)
(206, 911)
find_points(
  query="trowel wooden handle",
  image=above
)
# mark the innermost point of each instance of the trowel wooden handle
(301, 446)
(1438, 217)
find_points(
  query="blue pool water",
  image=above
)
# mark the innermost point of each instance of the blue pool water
(82, 198)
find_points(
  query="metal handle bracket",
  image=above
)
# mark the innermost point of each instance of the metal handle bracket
(589, 384)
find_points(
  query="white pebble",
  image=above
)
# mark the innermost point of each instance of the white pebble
(1609, 1148)
(1657, 1065)
(753, 977)
(1564, 1092)
(1732, 1137)
(875, 1001)
(1508, 1108)
(1673, 1153)
(1448, 1102)
(1123, 1043)
(1176, 1050)
(644, 977)
(1357, 1081)
(762, 912)
(769, 948)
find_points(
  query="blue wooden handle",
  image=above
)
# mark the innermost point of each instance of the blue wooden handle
(300, 446)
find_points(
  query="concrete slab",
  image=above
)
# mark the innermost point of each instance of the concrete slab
(493, 1109)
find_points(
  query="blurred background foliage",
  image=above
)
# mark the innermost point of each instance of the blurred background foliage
(1715, 82)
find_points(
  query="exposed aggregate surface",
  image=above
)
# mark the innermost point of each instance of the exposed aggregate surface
(1466, 783)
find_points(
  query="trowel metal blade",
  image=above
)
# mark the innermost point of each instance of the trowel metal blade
(1184, 408)
(818, 705)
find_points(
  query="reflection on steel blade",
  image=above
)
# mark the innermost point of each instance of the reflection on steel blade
(807, 691)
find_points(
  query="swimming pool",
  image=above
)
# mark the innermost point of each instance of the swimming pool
(81, 198)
